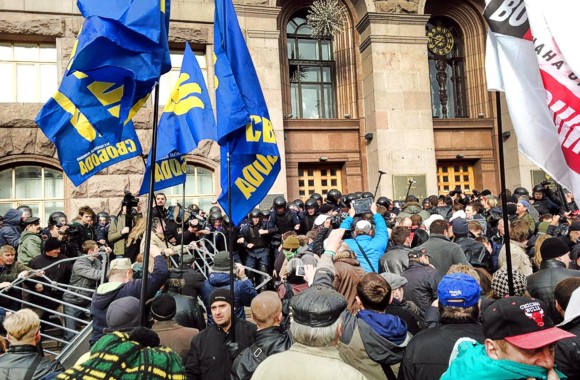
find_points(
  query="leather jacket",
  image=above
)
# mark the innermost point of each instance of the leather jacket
(269, 341)
(542, 284)
(14, 364)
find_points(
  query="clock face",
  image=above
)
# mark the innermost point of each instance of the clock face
(440, 40)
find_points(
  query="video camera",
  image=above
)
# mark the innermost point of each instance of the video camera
(72, 230)
(456, 191)
(129, 200)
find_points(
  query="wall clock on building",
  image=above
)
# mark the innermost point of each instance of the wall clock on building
(440, 40)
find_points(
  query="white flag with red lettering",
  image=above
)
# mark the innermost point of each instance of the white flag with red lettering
(542, 92)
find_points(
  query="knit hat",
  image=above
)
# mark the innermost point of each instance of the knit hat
(499, 284)
(221, 261)
(122, 263)
(553, 247)
(526, 204)
(394, 280)
(363, 226)
(123, 314)
(220, 294)
(522, 321)
(114, 354)
(460, 226)
(51, 244)
(459, 290)
(163, 307)
(291, 242)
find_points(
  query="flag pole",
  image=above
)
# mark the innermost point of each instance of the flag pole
(182, 208)
(231, 246)
(506, 224)
(150, 204)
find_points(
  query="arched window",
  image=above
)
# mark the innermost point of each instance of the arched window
(311, 68)
(40, 188)
(199, 188)
(446, 69)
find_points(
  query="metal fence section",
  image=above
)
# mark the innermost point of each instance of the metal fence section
(52, 321)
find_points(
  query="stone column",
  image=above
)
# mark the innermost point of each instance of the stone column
(397, 100)
(258, 23)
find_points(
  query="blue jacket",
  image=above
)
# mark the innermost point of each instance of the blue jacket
(374, 246)
(244, 293)
(9, 233)
(111, 291)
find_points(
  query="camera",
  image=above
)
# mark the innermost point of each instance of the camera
(362, 206)
(71, 231)
(456, 191)
(129, 200)
(545, 183)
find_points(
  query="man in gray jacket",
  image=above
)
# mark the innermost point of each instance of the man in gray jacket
(86, 273)
(442, 252)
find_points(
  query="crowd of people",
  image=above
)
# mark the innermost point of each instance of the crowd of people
(344, 286)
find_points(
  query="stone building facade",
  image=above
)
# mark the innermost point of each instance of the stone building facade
(383, 101)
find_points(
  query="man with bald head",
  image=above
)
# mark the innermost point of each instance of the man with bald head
(270, 337)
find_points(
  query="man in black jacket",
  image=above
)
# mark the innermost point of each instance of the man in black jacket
(212, 351)
(475, 252)
(554, 268)
(270, 337)
(567, 296)
(22, 361)
(422, 280)
(427, 355)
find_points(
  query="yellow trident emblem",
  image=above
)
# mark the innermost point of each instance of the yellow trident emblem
(181, 101)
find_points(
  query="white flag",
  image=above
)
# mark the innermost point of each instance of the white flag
(538, 86)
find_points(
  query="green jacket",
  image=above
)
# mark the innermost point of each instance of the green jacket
(29, 248)
(473, 360)
(10, 273)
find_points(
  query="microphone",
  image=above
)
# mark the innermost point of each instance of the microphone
(382, 172)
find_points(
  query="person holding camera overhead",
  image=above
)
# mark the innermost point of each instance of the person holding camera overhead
(368, 245)
(121, 227)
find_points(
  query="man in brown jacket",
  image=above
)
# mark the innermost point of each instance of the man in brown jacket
(172, 335)
(347, 276)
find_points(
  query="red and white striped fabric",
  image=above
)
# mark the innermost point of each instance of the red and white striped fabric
(542, 92)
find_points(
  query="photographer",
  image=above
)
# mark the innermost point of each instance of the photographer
(459, 196)
(369, 246)
(121, 227)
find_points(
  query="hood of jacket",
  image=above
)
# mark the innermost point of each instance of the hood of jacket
(219, 279)
(471, 358)
(12, 217)
(379, 348)
(105, 294)
(412, 208)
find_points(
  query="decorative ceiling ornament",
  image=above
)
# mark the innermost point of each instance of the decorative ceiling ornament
(327, 18)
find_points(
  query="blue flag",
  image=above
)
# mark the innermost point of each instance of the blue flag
(170, 170)
(82, 151)
(123, 45)
(243, 121)
(188, 115)
(186, 120)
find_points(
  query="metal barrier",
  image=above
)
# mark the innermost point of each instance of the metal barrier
(50, 332)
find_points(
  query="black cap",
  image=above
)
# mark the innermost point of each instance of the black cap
(31, 220)
(317, 306)
(221, 294)
(163, 307)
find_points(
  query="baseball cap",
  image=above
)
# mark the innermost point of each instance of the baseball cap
(363, 225)
(523, 322)
(459, 290)
(459, 226)
(122, 263)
